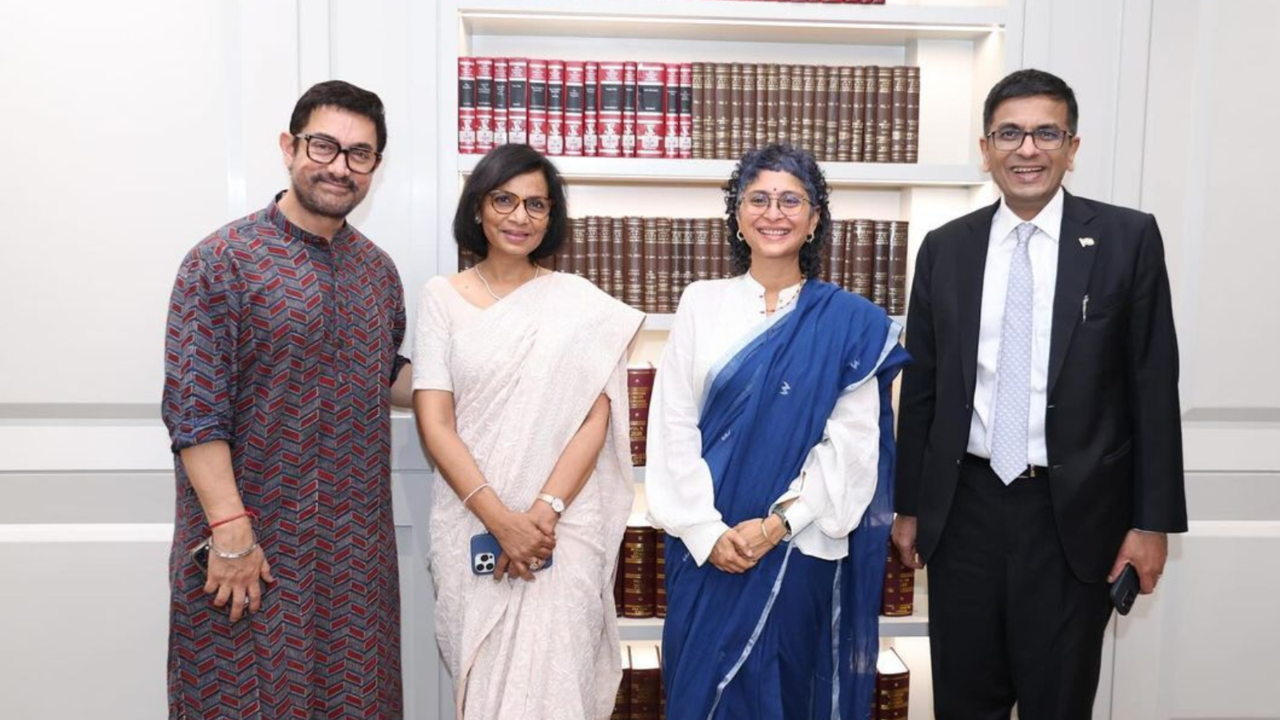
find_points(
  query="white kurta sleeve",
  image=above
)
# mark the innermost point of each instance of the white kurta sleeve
(839, 475)
(677, 480)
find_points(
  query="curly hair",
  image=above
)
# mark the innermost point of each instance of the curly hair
(801, 165)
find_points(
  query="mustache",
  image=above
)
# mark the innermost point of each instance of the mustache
(347, 183)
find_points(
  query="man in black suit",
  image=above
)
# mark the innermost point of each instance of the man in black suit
(1040, 445)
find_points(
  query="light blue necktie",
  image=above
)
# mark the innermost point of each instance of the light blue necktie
(1013, 366)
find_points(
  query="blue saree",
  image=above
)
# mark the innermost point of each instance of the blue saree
(764, 409)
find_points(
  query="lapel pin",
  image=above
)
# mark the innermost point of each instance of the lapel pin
(1086, 242)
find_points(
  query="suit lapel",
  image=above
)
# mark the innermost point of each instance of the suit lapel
(1075, 263)
(970, 268)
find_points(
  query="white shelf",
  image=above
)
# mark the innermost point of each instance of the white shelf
(727, 20)
(668, 171)
(659, 321)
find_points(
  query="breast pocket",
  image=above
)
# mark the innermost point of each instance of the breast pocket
(1102, 308)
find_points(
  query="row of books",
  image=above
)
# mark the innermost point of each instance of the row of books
(688, 110)
(647, 262)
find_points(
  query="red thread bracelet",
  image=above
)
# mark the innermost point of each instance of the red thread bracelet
(247, 513)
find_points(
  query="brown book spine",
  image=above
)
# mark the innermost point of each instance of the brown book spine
(574, 257)
(609, 116)
(664, 252)
(884, 114)
(650, 101)
(599, 227)
(833, 114)
(591, 109)
(699, 124)
(771, 104)
(864, 257)
(484, 104)
(639, 390)
(679, 262)
(651, 250)
(591, 256)
(913, 115)
(660, 575)
(622, 701)
(858, 122)
(837, 252)
(517, 100)
(466, 105)
(735, 110)
(500, 87)
(646, 688)
(629, 101)
(898, 117)
(802, 107)
(819, 111)
(538, 105)
(784, 104)
(844, 123)
(880, 274)
(897, 598)
(722, 241)
(893, 693)
(555, 107)
(616, 233)
(722, 92)
(702, 249)
(638, 550)
(575, 104)
(633, 284)
(748, 107)
(671, 111)
(897, 268)
(686, 110)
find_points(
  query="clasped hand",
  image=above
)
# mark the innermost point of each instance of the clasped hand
(741, 547)
(524, 536)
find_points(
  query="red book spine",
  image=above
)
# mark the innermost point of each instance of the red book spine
(686, 110)
(660, 575)
(466, 105)
(629, 72)
(639, 390)
(590, 108)
(638, 549)
(609, 115)
(518, 100)
(500, 87)
(555, 107)
(538, 105)
(574, 105)
(671, 111)
(484, 104)
(650, 128)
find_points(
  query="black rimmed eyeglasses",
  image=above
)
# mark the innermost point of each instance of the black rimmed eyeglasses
(324, 150)
(1045, 138)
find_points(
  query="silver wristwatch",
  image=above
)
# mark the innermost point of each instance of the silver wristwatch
(556, 503)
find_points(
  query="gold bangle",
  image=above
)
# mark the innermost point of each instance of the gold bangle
(764, 530)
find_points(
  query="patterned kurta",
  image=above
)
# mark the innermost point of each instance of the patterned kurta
(285, 346)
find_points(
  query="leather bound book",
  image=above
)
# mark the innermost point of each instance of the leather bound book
(590, 109)
(466, 105)
(484, 105)
(591, 258)
(660, 574)
(858, 116)
(699, 123)
(913, 115)
(771, 104)
(555, 107)
(650, 102)
(663, 252)
(662, 688)
(608, 256)
(748, 107)
(671, 111)
(629, 100)
(735, 110)
(639, 390)
(702, 249)
(833, 114)
(633, 285)
(802, 107)
(609, 114)
(518, 100)
(686, 260)
(500, 101)
(622, 703)
(864, 257)
(726, 261)
(898, 117)
(538, 105)
(845, 114)
(686, 110)
(893, 687)
(646, 681)
(897, 304)
(638, 549)
(784, 104)
(672, 294)
(884, 113)
(575, 81)
(723, 79)
(880, 267)
(618, 249)
(650, 276)
(575, 256)
(837, 252)
(819, 111)
(898, 597)
(599, 241)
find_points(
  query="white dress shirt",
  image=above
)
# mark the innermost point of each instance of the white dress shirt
(716, 318)
(1043, 249)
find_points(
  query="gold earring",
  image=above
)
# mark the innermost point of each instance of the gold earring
(740, 238)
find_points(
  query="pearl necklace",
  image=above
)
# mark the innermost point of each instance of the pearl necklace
(536, 271)
(779, 306)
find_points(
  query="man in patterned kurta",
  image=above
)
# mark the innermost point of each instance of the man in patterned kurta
(281, 361)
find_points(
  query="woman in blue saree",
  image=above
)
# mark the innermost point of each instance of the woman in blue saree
(770, 458)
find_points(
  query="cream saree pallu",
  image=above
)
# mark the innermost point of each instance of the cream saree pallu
(525, 374)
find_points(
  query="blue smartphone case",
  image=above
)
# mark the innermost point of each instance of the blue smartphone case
(484, 554)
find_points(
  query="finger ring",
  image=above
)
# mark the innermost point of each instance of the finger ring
(247, 600)
(534, 564)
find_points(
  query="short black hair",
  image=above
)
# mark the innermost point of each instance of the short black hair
(802, 165)
(344, 96)
(497, 167)
(1029, 83)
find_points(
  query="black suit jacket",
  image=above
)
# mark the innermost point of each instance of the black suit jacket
(1113, 426)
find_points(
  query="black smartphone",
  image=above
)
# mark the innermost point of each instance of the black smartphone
(200, 556)
(1125, 590)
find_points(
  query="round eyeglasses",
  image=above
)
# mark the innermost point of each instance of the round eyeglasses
(789, 203)
(1045, 138)
(324, 150)
(505, 202)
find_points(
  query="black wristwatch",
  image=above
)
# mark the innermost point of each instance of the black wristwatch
(782, 515)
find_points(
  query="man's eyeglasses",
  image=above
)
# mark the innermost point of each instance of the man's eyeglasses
(360, 160)
(1045, 138)
(789, 203)
(505, 203)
